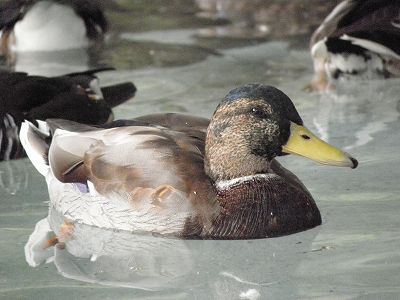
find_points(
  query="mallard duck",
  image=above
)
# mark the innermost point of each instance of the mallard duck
(75, 96)
(49, 25)
(358, 38)
(186, 176)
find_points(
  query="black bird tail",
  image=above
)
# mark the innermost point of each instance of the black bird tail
(119, 93)
(90, 72)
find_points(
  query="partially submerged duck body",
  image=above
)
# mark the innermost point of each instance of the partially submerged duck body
(76, 96)
(50, 25)
(183, 176)
(357, 39)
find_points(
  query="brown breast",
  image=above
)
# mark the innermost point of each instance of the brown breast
(260, 208)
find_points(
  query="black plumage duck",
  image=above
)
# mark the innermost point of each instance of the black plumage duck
(186, 176)
(76, 97)
(49, 25)
(359, 38)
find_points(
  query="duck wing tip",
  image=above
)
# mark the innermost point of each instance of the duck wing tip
(33, 139)
(117, 94)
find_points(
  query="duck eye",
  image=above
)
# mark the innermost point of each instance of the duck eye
(305, 136)
(258, 112)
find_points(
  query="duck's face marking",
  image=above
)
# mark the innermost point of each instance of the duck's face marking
(247, 130)
(240, 113)
(253, 124)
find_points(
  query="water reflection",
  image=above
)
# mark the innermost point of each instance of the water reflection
(364, 107)
(127, 47)
(51, 63)
(128, 54)
(163, 264)
(360, 212)
(14, 177)
(256, 18)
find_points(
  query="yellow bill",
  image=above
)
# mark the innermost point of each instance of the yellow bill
(304, 143)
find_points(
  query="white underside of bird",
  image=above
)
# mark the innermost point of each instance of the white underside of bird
(81, 203)
(49, 26)
(349, 63)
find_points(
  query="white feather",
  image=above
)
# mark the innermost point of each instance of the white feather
(50, 26)
(370, 45)
(319, 49)
(92, 189)
(115, 211)
(225, 184)
(348, 63)
(37, 158)
(95, 87)
(337, 10)
(140, 210)
(43, 127)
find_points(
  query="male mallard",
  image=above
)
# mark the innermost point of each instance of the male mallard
(48, 25)
(173, 175)
(358, 38)
(76, 97)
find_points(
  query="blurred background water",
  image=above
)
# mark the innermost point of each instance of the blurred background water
(184, 56)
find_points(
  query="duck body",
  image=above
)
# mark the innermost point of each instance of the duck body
(156, 174)
(45, 25)
(76, 96)
(357, 39)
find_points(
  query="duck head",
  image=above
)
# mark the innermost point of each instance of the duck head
(254, 124)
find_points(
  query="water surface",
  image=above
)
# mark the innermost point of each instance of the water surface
(184, 63)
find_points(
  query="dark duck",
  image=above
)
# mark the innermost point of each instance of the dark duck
(359, 38)
(76, 97)
(50, 25)
(185, 176)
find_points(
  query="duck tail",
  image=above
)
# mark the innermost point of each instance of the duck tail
(90, 72)
(33, 139)
(119, 93)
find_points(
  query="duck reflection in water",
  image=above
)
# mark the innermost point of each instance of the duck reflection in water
(14, 177)
(173, 266)
(361, 106)
(28, 26)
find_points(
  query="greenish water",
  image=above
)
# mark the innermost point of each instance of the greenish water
(178, 67)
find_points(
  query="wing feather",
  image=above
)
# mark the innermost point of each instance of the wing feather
(370, 24)
(125, 158)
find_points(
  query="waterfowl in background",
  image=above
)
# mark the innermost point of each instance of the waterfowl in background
(359, 38)
(174, 175)
(49, 25)
(76, 96)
